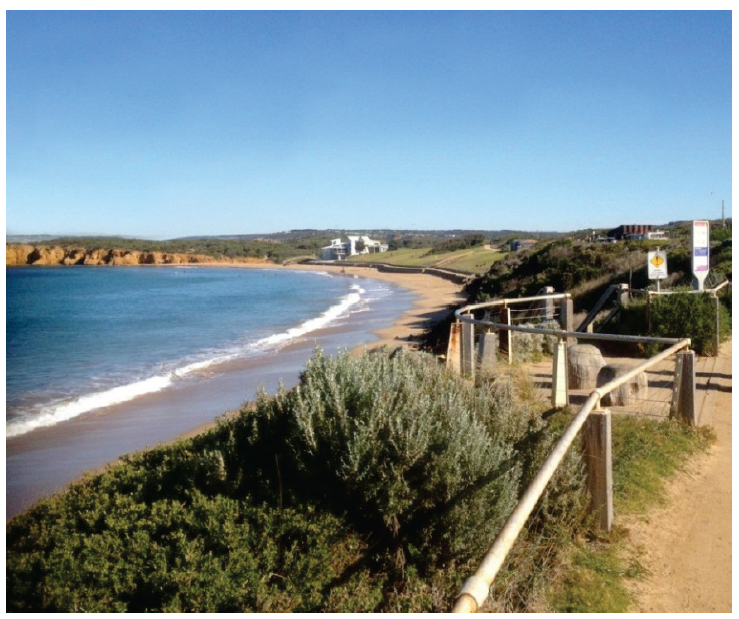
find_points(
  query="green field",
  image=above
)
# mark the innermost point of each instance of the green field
(472, 260)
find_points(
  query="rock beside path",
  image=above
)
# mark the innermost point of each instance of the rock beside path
(584, 361)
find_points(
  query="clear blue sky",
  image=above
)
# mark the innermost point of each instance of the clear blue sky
(166, 124)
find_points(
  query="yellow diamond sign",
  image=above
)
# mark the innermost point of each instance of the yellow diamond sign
(657, 264)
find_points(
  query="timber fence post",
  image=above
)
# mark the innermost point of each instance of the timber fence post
(567, 318)
(717, 337)
(684, 405)
(509, 335)
(488, 351)
(453, 352)
(623, 294)
(560, 381)
(548, 304)
(468, 349)
(598, 460)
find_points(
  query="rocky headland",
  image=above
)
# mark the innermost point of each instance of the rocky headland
(17, 255)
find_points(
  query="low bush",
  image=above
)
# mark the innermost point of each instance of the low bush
(532, 346)
(375, 485)
(679, 315)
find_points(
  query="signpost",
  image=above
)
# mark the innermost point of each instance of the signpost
(700, 253)
(657, 265)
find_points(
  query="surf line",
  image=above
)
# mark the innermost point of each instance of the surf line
(59, 411)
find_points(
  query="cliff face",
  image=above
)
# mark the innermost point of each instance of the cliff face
(55, 255)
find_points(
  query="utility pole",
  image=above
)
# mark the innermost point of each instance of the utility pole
(723, 223)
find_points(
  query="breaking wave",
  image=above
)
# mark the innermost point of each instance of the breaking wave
(56, 412)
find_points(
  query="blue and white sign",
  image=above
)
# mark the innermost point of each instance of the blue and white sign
(700, 252)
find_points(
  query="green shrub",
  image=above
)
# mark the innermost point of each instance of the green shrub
(405, 447)
(208, 554)
(531, 346)
(679, 315)
(690, 315)
(375, 485)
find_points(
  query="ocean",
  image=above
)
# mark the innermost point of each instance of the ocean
(103, 361)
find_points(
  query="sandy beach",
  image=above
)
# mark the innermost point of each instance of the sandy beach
(434, 297)
(47, 460)
(434, 294)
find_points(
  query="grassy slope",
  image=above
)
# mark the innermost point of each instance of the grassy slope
(473, 260)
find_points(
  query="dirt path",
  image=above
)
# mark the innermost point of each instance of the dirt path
(686, 544)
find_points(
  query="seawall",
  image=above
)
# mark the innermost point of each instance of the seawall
(458, 277)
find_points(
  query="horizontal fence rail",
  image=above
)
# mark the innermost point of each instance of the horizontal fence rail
(561, 333)
(476, 589)
(509, 302)
(726, 282)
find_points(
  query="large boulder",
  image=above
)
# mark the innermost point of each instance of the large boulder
(636, 388)
(584, 361)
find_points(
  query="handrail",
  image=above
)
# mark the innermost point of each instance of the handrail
(505, 302)
(476, 589)
(596, 308)
(561, 333)
(726, 282)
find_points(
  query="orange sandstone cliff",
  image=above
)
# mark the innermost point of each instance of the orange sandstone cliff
(58, 255)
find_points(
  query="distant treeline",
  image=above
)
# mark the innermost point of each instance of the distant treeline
(456, 244)
(277, 251)
(278, 247)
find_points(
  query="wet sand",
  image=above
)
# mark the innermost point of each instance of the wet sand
(46, 460)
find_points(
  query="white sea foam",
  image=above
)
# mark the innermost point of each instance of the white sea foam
(52, 415)
(324, 320)
(58, 412)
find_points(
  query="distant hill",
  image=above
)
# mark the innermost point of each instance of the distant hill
(379, 232)
(29, 238)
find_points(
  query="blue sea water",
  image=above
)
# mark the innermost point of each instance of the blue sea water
(79, 339)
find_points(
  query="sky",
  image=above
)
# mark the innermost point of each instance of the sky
(169, 124)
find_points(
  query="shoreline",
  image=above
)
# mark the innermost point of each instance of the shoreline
(434, 295)
(430, 296)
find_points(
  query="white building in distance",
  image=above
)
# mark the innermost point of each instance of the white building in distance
(341, 250)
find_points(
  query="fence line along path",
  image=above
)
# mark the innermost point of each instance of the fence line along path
(686, 544)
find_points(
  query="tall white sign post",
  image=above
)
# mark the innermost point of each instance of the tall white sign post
(657, 265)
(700, 253)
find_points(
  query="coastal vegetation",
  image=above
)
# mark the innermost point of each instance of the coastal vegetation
(586, 269)
(438, 246)
(374, 485)
(366, 488)
(679, 315)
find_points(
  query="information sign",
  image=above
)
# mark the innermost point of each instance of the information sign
(700, 252)
(657, 264)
